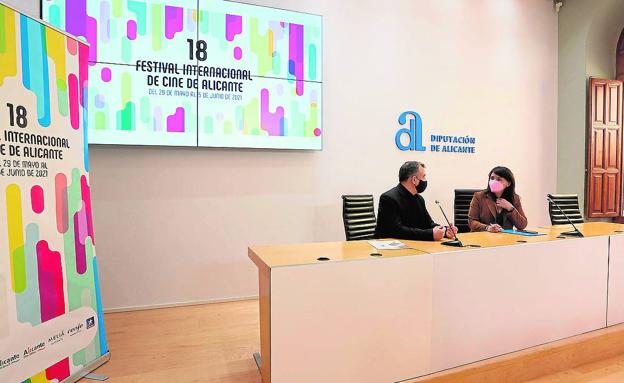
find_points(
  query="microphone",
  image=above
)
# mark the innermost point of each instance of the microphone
(574, 233)
(455, 242)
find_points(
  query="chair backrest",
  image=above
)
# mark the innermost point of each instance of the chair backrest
(463, 197)
(569, 204)
(358, 214)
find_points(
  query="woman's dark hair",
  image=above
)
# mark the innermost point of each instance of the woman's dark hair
(505, 173)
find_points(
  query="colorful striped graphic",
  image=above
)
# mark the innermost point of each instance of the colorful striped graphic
(8, 54)
(28, 306)
(16, 237)
(295, 59)
(58, 371)
(48, 264)
(35, 66)
(280, 49)
(50, 282)
(36, 199)
(61, 203)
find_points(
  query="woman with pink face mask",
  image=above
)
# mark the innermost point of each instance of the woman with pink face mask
(497, 207)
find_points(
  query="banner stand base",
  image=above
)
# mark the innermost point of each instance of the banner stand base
(98, 377)
(88, 368)
(258, 359)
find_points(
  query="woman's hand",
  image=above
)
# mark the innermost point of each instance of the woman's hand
(504, 204)
(494, 228)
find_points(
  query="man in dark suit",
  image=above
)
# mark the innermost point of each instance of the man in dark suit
(402, 212)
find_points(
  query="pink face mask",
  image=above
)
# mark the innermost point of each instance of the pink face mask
(496, 186)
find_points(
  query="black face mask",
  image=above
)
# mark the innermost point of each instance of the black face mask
(422, 185)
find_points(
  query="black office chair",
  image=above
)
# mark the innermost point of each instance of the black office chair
(461, 207)
(569, 204)
(358, 214)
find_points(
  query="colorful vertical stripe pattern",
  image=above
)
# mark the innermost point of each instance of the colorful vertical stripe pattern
(8, 44)
(273, 123)
(174, 21)
(175, 122)
(28, 306)
(56, 211)
(37, 270)
(79, 23)
(16, 237)
(51, 293)
(38, 46)
(237, 35)
(36, 199)
(56, 50)
(288, 110)
(35, 65)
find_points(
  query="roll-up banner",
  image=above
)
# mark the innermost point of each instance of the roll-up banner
(51, 322)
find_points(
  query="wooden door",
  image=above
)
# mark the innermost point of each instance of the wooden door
(604, 149)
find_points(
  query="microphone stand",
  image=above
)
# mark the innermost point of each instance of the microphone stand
(454, 242)
(574, 233)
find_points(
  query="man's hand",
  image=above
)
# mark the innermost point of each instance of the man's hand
(495, 228)
(451, 231)
(438, 233)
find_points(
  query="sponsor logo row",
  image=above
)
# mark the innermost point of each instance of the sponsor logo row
(53, 339)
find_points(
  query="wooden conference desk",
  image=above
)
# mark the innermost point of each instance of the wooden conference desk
(408, 313)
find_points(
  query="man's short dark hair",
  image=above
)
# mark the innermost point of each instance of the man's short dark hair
(408, 169)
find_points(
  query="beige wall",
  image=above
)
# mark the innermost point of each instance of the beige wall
(588, 35)
(173, 225)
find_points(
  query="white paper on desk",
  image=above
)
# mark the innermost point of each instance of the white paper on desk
(388, 245)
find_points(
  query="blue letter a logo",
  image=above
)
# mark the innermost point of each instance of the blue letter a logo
(414, 132)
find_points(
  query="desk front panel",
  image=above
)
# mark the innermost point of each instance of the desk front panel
(616, 280)
(497, 300)
(386, 320)
(365, 322)
(414, 312)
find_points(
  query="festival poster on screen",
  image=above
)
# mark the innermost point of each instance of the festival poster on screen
(51, 323)
(209, 73)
